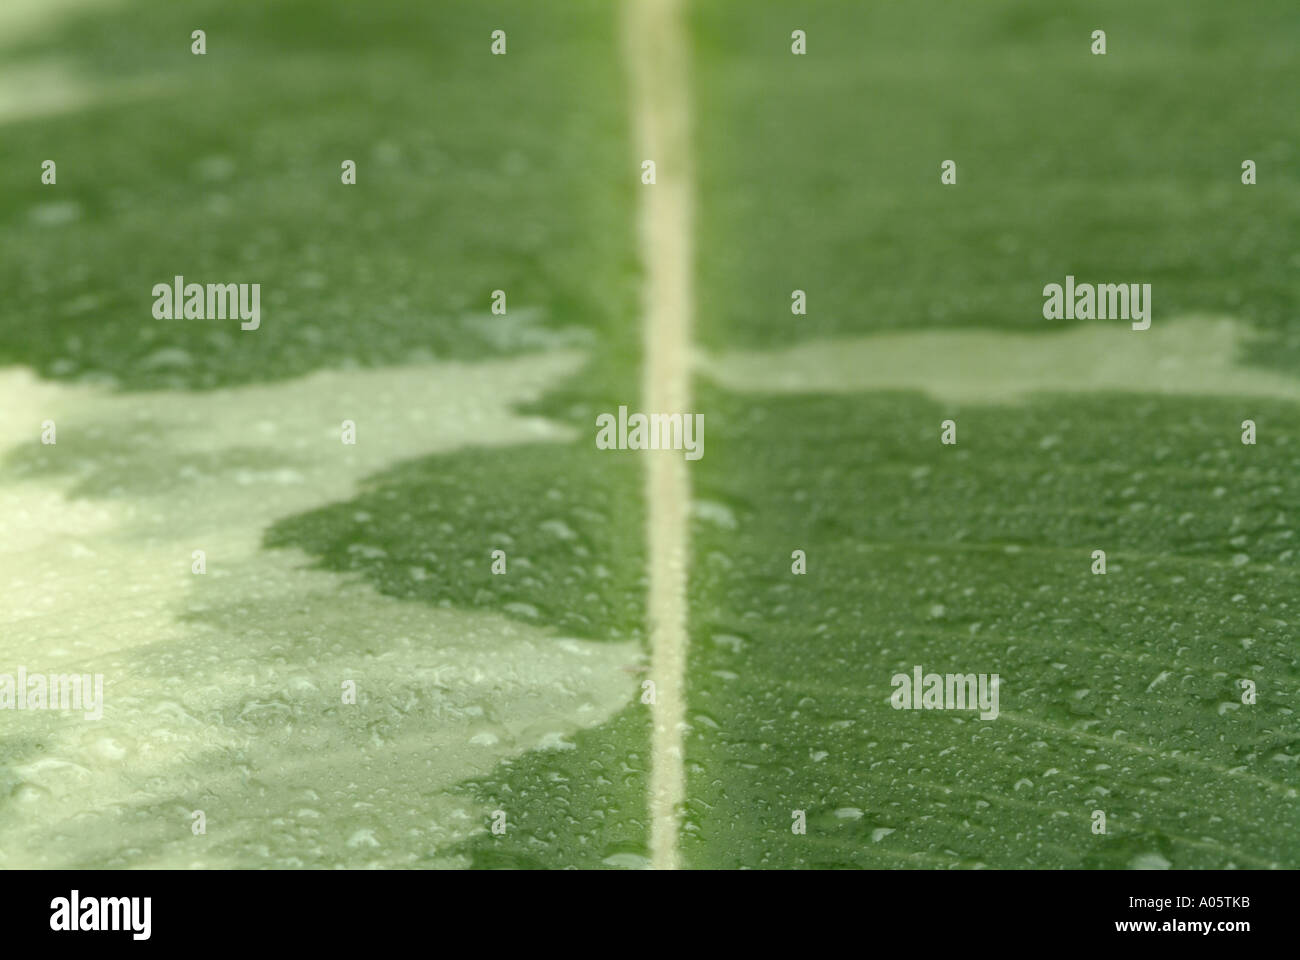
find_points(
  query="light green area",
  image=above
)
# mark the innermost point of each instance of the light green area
(1190, 356)
(223, 692)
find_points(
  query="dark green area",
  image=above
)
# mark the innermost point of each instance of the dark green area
(821, 172)
(583, 808)
(1119, 692)
(475, 173)
(567, 517)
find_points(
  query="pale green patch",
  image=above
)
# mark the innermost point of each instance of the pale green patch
(40, 89)
(21, 19)
(1193, 356)
(49, 86)
(37, 88)
(223, 690)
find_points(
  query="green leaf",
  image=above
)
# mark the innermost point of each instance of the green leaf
(518, 700)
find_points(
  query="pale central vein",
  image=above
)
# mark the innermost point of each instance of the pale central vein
(657, 55)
